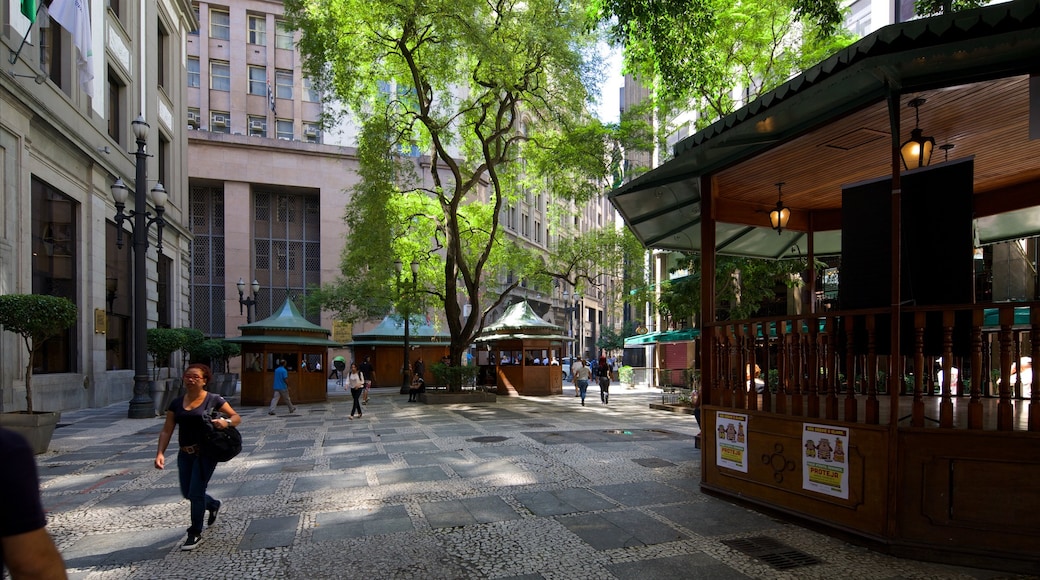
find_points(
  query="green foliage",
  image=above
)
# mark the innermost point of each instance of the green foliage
(742, 284)
(694, 54)
(474, 87)
(36, 318)
(162, 342)
(626, 375)
(229, 350)
(612, 340)
(455, 377)
(192, 338)
(207, 351)
(931, 7)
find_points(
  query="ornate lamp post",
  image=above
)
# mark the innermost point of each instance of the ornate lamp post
(572, 309)
(250, 302)
(141, 406)
(407, 365)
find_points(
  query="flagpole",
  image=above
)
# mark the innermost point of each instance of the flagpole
(14, 55)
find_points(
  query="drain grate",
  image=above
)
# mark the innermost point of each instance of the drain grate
(653, 462)
(772, 552)
(489, 439)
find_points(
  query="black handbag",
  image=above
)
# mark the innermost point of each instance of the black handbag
(220, 444)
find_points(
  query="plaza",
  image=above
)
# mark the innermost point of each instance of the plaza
(526, 487)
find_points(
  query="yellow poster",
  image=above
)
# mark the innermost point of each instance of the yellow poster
(825, 467)
(731, 440)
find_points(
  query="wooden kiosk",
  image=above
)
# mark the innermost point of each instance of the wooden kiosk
(384, 347)
(863, 428)
(284, 335)
(522, 352)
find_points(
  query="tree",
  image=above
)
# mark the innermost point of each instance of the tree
(742, 285)
(37, 318)
(695, 55)
(163, 342)
(495, 95)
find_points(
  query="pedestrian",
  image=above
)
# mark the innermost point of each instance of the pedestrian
(339, 364)
(366, 371)
(419, 367)
(603, 373)
(574, 368)
(417, 388)
(317, 367)
(581, 380)
(356, 382)
(281, 388)
(194, 468)
(26, 549)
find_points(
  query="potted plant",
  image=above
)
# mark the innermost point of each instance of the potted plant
(36, 318)
(161, 344)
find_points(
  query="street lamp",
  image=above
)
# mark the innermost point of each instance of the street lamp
(141, 406)
(407, 314)
(250, 302)
(571, 310)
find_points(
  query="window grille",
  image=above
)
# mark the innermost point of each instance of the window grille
(206, 219)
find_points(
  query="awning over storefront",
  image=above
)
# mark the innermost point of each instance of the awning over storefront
(684, 335)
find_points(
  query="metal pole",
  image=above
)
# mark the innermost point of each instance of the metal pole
(141, 406)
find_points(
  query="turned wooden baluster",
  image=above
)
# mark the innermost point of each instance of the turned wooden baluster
(872, 407)
(725, 365)
(851, 406)
(1034, 352)
(1005, 413)
(782, 365)
(946, 404)
(830, 354)
(797, 375)
(813, 363)
(718, 380)
(975, 405)
(740, 392)
(752, 391)
(767, 393)
(917, 406)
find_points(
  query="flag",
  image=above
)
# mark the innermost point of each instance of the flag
(73, 16)
(270, 97)
(29, 10)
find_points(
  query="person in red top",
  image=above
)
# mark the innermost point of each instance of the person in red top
(26, 549)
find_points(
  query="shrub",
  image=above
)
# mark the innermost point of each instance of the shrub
(163, 342)
(36, 318)
(626, 374)
(455, 377)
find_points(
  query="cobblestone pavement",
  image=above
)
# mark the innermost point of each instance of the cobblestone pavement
(524, 488)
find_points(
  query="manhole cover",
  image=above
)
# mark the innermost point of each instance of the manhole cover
(653, 462)
(489, 439)
(772, 552)
(618, 432)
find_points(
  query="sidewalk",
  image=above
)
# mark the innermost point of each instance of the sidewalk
(525, 488)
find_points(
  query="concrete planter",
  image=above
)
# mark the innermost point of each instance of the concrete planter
(37, 427)
(445, 398)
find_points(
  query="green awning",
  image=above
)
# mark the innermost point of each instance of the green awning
(684, 335)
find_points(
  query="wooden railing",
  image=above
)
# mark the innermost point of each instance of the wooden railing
(956, 367)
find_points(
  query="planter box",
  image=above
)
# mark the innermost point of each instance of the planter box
(675, 408)
(37, 428)
(445, 398)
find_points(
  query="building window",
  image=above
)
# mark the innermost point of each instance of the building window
(219, 75)
(283, 84)
(283, 35)
(537, 231)
(54, 269)
(220, 122)
(257, 126)
(219, 24)
(162, 49)
(51, 61)
(258, 30)
(258, 80)
(198, 18)
(117, 300)
(163, 302)
(310, 94)
(194, 78)
(286, 249)
(194, 119)
(116, 91)
(116, 7)
(162, 156)
(284, 129)
(312, 133)
(525, 226)
(206, 222)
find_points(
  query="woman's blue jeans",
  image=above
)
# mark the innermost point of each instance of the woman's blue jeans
(195, 471)
(583, 387)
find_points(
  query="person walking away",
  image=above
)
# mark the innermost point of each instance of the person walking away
(281, 388)
(581, 381)
(356, 383)
(575, 365)
(194, 468)
(26, 549)
(603, 373)
(366, 371)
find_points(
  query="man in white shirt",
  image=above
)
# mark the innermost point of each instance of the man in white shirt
(577, 364)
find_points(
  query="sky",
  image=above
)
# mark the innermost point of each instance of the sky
(609, 100)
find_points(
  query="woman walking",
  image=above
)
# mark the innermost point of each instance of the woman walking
(581, 380)
(195, 469)
(356, 382)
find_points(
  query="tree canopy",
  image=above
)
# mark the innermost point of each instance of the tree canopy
(465, 107)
